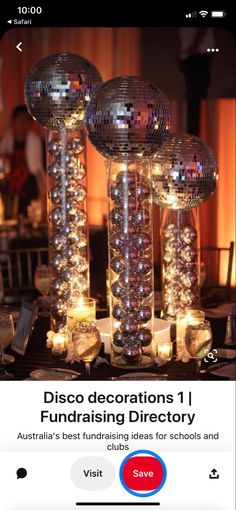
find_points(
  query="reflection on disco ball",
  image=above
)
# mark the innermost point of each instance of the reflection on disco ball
(59, 88)
(128, 118)
(184, 172)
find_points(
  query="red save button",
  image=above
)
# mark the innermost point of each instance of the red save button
(143, 473)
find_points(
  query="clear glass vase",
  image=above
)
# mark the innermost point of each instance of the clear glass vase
(130, 263)
(180, 261)
(68, 236)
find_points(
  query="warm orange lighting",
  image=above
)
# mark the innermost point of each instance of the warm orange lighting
(218, 130)
(97, 187)
(226, 193)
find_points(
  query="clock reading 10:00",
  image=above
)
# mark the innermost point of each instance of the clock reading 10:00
(29, 10)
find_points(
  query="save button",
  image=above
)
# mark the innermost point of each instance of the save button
(143, 473)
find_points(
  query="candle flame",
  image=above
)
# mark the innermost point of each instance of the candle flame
(80, 301)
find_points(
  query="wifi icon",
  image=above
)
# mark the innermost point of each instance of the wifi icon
(203, 13)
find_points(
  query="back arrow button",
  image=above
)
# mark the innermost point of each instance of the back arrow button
(18, 46)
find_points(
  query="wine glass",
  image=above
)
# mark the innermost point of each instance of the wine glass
(6, 336)
(42, 284)
(35, 212)
(41, 280)
(86, 340)
(198, 341)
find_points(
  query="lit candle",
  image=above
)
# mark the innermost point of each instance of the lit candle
(49, 342)
(164, 351)
(184, 319)
(80, 313)
(59, 343)
(82, 310)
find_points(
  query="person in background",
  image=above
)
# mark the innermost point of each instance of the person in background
(195, 63)
(24, 149)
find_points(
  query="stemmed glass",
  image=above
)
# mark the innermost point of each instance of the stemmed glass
(84, 340)
(41, 280)
(6, 336)
(42, 284)
(87, 344)
(198, 341)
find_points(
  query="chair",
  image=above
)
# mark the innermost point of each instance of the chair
(214, 259)
(18, 267)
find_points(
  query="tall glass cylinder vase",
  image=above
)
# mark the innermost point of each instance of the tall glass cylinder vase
(68, 236)
(180, 254)
(130, 263)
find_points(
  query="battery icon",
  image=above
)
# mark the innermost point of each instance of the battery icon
(218, 14)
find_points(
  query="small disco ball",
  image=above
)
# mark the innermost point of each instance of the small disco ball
(184, 172)
(128, 118)
(58, 90)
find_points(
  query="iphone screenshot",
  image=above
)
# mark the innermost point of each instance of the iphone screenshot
(117, 258)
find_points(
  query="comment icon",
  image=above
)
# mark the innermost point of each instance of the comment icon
(21, 473)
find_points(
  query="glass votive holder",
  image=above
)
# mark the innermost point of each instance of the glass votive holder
(49, 342)
(81, 311)
(58, 343)
(186, 318)
(164, 351)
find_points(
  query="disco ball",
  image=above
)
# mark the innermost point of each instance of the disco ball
(58, 89)
(184, 172)
(128, 118)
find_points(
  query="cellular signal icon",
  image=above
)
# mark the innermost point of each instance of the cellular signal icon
(191, 15)
(203, 14)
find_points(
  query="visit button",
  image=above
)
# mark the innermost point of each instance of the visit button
(143, 473)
